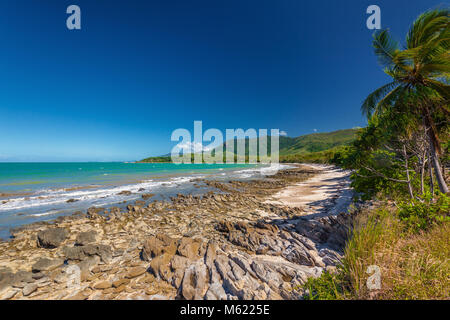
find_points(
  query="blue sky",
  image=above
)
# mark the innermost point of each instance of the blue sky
(138, 70)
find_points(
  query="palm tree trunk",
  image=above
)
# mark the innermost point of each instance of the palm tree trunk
(437, 166)
(410, 189)
(422, 175)
(430, 172)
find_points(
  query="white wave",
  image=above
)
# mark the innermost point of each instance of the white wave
(46, 213)
(265, 171)
(60, 196)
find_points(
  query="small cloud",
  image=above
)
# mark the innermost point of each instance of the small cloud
(315, 130)
(283, 133)
(193, 147)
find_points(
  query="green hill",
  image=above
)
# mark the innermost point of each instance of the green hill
(316, 142)
(315, 147)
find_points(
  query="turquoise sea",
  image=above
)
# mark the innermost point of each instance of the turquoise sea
(31, 192)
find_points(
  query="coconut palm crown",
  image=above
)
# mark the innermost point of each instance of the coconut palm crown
(420, 72)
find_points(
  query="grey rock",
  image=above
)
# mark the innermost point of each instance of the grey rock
(74, 253)
(38, 275)
(29, 289)
(299, 255)
(44, 264)
(6, 281)
(51, 238)
(85, 238)
(9, 294)
(20, 278)
(216, 292)
(82, 252)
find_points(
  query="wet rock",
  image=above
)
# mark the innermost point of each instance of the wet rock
(124, 193)
(51, 238)
(94, 212)
(148, 196)
(44, 264)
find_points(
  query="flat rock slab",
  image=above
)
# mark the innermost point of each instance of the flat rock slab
(51, 238)
(29, 289)
(85, 238)
(44, 264)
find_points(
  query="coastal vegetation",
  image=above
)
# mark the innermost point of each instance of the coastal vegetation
(399, 164)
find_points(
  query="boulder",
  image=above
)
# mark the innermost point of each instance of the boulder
(160, 266)
(82, 252)
(190, 248)
(157, 245)
(51, 238)
(193, 286)
(85, 238)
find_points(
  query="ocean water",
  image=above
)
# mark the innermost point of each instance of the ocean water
(31, 192)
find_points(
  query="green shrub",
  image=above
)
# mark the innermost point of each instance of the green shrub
(326, 287)
(422, 215)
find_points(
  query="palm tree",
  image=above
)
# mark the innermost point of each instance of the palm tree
(420, 72)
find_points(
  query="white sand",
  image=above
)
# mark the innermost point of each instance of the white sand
(330, 187)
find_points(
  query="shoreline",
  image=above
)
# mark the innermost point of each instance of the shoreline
(230, 241)
(18, 209)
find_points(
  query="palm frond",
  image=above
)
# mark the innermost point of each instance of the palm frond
(426, 26)
(441, 88)
(390, 99)
(385, 47)
(370, 103)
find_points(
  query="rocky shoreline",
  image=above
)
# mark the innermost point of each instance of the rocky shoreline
(236, 243)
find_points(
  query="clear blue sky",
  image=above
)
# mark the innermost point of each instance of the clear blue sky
(137, 70)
